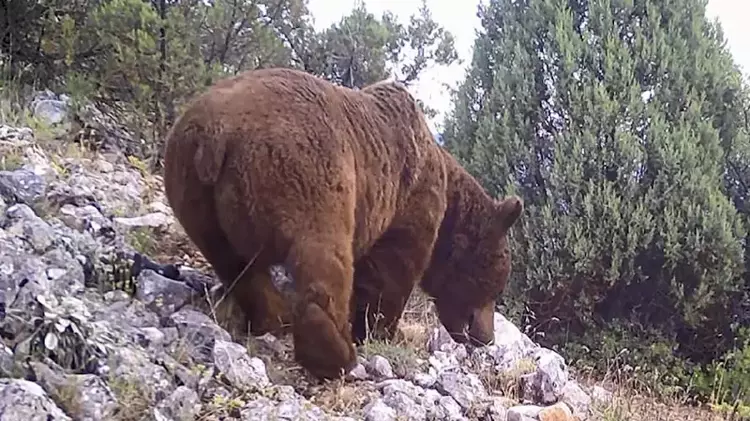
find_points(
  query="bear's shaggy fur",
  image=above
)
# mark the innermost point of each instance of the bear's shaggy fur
(350, 191)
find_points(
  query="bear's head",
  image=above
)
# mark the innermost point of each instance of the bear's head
(471, 266)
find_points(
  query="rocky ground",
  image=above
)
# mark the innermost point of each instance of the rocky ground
(93, 329)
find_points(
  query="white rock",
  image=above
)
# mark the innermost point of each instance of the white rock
(524, 412)
(380, 367)
(238, 367)
(154, 220)
(601, 395)
(377, 410)
(577, 399)
(545, 385)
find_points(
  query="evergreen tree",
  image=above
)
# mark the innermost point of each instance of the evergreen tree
(150, 57)
(612, 119)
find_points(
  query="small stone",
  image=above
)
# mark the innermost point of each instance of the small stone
(557, 412)
(380, 367)
(465, 388)
(84, 218)
(497, 409)
(116, 295)
(54, 274)
(159, 207)
(524, 412)
(545, 385)
(377, 410)
(25, 400)
(132, 365)
(241, 370)
(601, 395)
(450, 408)
(294, 408)
(7, 361)
(182, 405)
(359, 372)
(577, 399)
(16, 135)
(27, 225)
(152, 220)
(104, 166)
(52, 111)
(441, 361)
(162, 295)
(272, 343)
(425, 379)
(22, 186)
(439, 337)
(199, 332)
(150, 336)
(404, 404)
(94, 400)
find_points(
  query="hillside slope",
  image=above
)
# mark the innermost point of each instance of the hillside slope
(95, 329)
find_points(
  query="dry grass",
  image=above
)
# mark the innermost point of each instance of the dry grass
(68, 397)
(628, 404)
(634, 400)
(507, 383)
(135, 402)
(408, 347)
(11, 156)
(343, 398)
(221, 407)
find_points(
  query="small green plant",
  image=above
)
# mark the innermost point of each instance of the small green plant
(10, 160)
(508, 382)
(138, 164)
(225, 402)
(725, 383)
(135, 401)
(68, 397)
(142, 240)
(641, 358)
(403, 359)
(614, 413)
(221, 407)
(62, 336)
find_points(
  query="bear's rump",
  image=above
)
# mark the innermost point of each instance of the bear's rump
(273, 190)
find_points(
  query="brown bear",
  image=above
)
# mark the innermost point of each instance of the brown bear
(349, 190)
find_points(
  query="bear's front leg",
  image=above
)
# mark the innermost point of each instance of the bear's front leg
(385, 277)
(322, 333)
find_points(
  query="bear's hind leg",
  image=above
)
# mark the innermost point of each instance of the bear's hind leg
(267, 309)
(253, 294)
(322, 271)
(260, 303)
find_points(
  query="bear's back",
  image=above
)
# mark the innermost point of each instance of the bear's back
(268, 117)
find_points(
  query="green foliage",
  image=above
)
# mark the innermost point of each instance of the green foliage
(149, 58)
(361, 49)
(641, 358)
(725, 383)
(621, 124)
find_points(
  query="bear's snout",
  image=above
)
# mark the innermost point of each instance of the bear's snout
(480, 326)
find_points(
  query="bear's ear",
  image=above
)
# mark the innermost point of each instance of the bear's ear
(508, 212)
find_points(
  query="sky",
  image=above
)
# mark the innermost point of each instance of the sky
(460, 19)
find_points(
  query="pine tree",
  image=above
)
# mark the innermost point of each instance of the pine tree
(609, 118)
